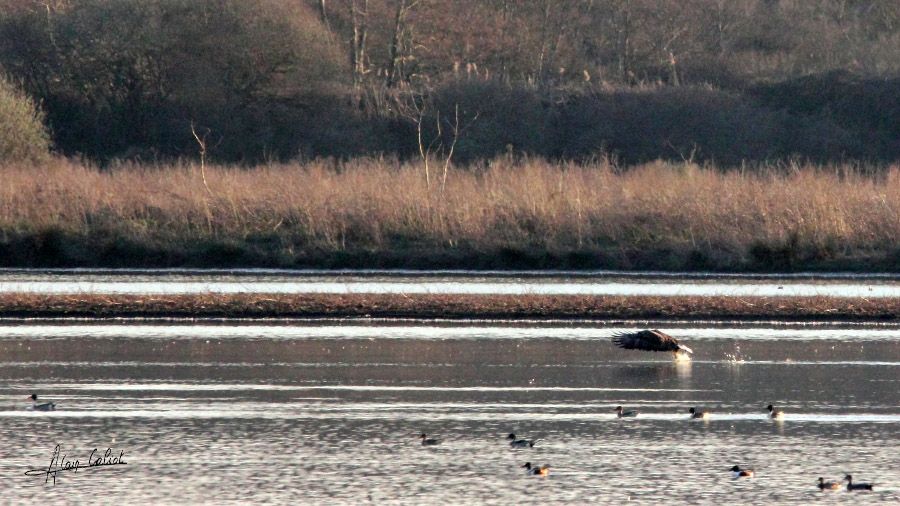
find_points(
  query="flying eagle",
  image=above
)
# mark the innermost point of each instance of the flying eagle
(651, 340)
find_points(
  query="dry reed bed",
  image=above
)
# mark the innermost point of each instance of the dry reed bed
(447, 306)
(376, 206)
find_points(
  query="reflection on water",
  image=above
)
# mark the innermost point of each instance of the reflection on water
(330, 414)
(657, 372)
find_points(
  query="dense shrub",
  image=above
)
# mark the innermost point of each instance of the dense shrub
(493, 118)
(697, 123)
(23, 136)
(119, 76)
(634, 125)
(867, 108)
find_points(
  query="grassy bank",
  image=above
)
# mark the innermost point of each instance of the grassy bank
(525, 214)
(448, 306)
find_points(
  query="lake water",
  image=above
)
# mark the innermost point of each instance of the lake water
(328, 412)
(156, 282)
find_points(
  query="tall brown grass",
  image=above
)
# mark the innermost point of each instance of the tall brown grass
(381, 212)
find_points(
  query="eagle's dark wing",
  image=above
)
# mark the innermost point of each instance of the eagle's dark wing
(647, 340)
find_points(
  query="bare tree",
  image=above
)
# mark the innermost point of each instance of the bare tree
(623, 40)
(323, 14)
(416, 109)
(456, 132)
(359, 18)
(395, 57)
(724, 23)
(419, 106)
(553, 30)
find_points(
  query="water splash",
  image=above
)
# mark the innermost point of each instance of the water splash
(736, 357)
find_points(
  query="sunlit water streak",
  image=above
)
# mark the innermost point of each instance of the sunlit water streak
(356, 388)
(550, 282)
(450, 413)
(385, 364)
(516, 287)
(389, 322)
(426, 331)
(330, 414)
(82, 272)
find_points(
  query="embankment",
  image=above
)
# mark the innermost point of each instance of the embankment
(448, 306)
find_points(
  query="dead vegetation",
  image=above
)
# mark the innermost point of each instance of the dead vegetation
(509, 214)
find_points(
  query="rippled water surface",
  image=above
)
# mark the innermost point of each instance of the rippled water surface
(329, 413)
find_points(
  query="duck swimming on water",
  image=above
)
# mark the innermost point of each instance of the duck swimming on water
(856, 486)
(520, 443)
(828, 485)
(737, 472)
(429, 442)
(703, 415)
(536, 470)
(625, 414)
(46, 406)
(775, 414)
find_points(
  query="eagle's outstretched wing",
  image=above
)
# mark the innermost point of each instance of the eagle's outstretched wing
(648, 340)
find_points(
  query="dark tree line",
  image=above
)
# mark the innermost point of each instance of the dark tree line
(721, 80)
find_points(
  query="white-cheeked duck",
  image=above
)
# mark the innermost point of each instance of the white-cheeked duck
(737, 472)
(44, 406)
(699, 414)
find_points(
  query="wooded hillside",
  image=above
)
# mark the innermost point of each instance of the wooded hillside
(719, 80)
